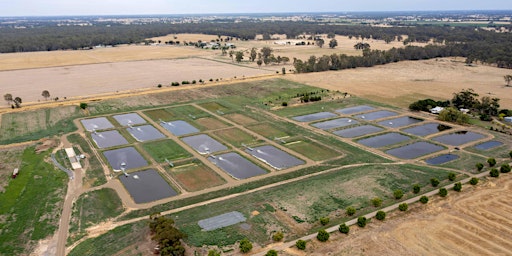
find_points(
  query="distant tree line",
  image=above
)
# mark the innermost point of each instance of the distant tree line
(477, 45)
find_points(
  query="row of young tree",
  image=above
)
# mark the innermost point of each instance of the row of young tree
(476, 44)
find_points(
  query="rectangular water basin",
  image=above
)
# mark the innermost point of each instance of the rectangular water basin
(204, 144)
(355, 109)
(336, 123)
(94, 124)
(125, 158)
(458, 138)
(358, 131)
(441, 159)
(147, 186)
(376, 115)
(414, 150)
(274, 157)
(400, 122)
(314, 116)
(145, 133)
(384, 140)
(426, 129)
(236, 166)
(108, 139)
(179, 127)
(488, 145)
(129, 119)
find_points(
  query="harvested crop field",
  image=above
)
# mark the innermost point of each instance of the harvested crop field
(404, 82)
(84, 80)
(472, 222)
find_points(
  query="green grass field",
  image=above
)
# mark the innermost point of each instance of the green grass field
(30, 206)
(235, 137)
(268, 130)
(187, 112)
(160, 150)
(312, 150)
(159, 114)
(94, 175)
(215, 107)
(92, 208)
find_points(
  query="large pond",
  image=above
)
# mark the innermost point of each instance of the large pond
(488, 145)
(384, 140)
(400, 122)
(94, 124)
(204, 144)
(274, 157)
(355, 109)
(147, 186)
(426, 129)
(358, 131)
(376, 115)
(458, 138)
(336, 123)
(314, 116)
(145, 133)
(127, 158)
(441, 159)
(129, 119)
(237, 166)
(179, 127)
(108, 139)
(414, 150)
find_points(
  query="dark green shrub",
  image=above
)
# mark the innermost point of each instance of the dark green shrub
(322, 235)
(83, 105)
(416, 188)
(510, 154)
(452, 176)
(361, 221)
(473, 181)
(245, 245)
(381, 215)
(505, 168)
(434, 182)
(301, 244)
(443, 192)
(403, 207)
(491, 161)
(398, 194)
(424, 199)
(194, 82)
(376, 201)
(278, 236)
(457, 186)
(350, 211)
(213, 253)
(284, 104)
(479, 166)
(271, 253)
(159, 86)
(324, 221)
(494, 173)
(344, 228)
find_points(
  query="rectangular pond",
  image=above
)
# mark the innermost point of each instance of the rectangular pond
(274, 157)
(145, 133)
(384, 140)
(358, 131)
(204, 144)
(458, 138)
(314, 116)
(376, 115)
(336, 123)
(400, 122)
(414, 150)
(355, 109)
(108, 139)
(94, 124)
(426, 129)
(179, 127)
(236, 166)
(129, 119)
(488, 145)
(125, 158)
(147, 186)
(441, 159)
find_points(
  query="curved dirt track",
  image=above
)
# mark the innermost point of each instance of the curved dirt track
(473, 222)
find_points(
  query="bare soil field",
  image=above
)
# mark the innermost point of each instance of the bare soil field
(401, 83)
(83, 80)
(473, 222)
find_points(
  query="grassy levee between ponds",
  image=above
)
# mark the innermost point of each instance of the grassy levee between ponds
(112, 242)
(36, 124)
(94, 175)
(31, 204)
(92, 208)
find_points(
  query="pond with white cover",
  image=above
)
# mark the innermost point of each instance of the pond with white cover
(108, 139)
(236, 166)
(129, 119)
(95, 124)
(204, 144)
(314, 117)
(179, 127)
(274, 157)
(145, 133)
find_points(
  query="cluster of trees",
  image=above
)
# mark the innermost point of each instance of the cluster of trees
(14, 102)
(167, 235)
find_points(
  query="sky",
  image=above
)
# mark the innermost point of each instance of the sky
(127, 7)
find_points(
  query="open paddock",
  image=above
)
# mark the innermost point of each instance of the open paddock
(240, 119)
(215, 107)
(312, 150)
(211, 123)
(165, 149)
(268, 130)
(195, 176)
(159, 114)
(235, 137)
